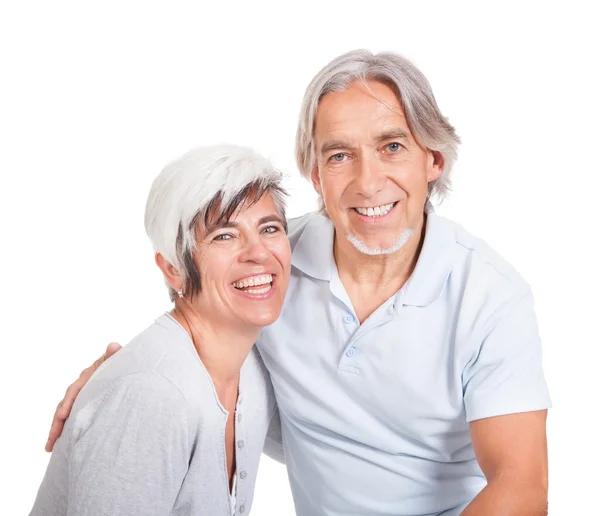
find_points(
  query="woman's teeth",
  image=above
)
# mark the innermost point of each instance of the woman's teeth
(262, 290)
(377, 211)
(264, 284)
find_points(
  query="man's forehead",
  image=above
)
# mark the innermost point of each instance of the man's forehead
(360, 108)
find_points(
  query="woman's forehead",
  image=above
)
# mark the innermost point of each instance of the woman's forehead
(248, 206)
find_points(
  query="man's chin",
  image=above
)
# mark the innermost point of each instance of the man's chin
(371, 248)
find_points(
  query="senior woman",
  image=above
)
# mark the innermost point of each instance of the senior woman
(175, 424)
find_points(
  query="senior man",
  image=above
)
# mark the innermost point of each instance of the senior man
(406, 362)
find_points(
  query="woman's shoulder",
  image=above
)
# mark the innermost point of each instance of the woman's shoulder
(161, 355)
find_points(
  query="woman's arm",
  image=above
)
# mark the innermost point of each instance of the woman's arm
(63, 409)
(129, 453)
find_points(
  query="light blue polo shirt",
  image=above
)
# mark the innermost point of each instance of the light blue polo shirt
(375, 417)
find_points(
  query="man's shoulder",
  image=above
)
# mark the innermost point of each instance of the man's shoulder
(298, 225)
(480, 260)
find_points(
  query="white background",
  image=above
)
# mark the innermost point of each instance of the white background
(95, 99)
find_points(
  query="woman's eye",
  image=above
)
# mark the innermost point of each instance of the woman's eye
(393, 147)
(271, 229)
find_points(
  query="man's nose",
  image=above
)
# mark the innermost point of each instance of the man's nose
(370, 176)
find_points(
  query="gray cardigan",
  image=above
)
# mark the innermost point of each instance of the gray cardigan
(146, 435)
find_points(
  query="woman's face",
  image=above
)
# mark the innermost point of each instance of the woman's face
(244, 266)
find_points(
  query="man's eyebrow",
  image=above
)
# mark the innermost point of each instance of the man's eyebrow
(388, 134)
(335, 144)
(391, 134)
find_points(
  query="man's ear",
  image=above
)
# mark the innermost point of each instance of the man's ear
(435, 165)
(169, 271)
(316, 179)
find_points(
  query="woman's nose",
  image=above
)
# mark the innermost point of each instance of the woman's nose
(255, 251)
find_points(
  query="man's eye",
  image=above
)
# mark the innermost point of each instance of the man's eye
(393, 147)
(224, 236)
(339, 157)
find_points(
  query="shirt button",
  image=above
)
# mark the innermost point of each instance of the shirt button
(243, 475)
(348, 318)
(242, 509)
(239, 417)
(351, 352)
(240, 444)
(240, 399)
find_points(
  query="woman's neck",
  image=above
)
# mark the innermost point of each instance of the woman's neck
(222, 348)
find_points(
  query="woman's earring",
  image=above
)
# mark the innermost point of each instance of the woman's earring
(180, 293)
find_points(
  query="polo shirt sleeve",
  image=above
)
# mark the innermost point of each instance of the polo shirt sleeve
(131, 453)
(504, 374)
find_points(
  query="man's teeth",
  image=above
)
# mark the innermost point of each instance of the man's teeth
(377, 211)
(255, 281)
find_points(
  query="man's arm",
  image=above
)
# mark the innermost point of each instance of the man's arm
(64, 407)
(506, 398)
(512, 453)
(274, 442)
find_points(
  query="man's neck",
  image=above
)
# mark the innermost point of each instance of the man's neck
(221, 347)
(371, 280)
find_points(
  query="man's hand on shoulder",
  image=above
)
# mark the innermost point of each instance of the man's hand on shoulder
(64, 407)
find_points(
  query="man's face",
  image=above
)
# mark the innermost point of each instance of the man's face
(370, 171)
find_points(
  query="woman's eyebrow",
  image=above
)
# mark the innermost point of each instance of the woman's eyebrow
(221, 225)
(270, 218)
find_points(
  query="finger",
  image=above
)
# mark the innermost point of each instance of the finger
(111, 349)
(55, 431)
(87, 373)
(71, 393)
(65, 409)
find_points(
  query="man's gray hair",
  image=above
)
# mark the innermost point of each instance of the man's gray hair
(424, 118)
(204, 187)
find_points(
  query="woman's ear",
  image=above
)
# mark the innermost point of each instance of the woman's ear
(170, 272)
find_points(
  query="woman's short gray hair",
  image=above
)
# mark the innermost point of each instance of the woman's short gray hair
(425, 120)
(204, 186)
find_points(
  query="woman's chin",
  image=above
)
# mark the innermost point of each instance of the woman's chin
(260, 319)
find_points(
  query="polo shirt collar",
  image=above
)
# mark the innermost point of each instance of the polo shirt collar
(434, 265)
(313, 255)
